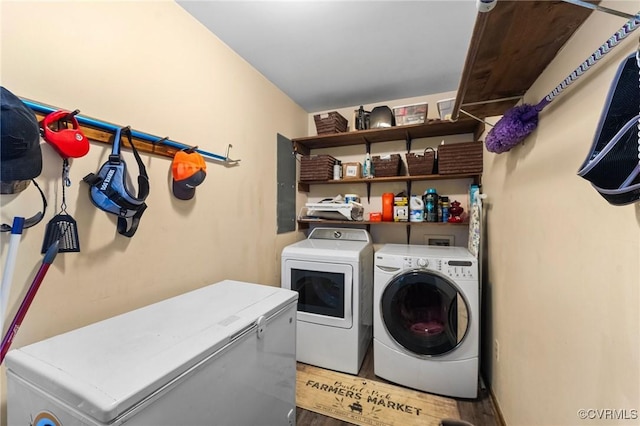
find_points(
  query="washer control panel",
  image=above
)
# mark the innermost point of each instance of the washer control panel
(464, 269)
(422, 262)
(461, 269)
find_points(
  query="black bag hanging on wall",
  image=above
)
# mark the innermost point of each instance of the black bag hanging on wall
(108, 188)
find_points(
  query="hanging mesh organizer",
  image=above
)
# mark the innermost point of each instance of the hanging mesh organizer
(613, 163)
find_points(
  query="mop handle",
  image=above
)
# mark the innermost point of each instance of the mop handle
(613, 41)
(49, 256)
(10, 264)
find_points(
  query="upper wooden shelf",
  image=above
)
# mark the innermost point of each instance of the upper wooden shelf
(510, 47)
(430, 129)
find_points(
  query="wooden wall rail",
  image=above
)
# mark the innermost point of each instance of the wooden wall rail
(97, 135)
(102, 131)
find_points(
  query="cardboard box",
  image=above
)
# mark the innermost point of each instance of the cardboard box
(351, 170)
(401, 213)
(400, 201)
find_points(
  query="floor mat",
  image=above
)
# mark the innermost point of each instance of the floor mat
(367, 402)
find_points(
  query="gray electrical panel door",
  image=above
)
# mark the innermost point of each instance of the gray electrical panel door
(286, 213)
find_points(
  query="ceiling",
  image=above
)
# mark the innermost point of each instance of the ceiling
(333, 54)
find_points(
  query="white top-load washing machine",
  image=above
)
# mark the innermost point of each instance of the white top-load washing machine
(427, 318)
(332, 271)
(220, 355)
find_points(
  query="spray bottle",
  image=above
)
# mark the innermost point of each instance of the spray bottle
(367, 168)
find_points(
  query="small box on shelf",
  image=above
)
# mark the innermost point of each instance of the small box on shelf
(410, 114)
(351, 170)
(445, 108)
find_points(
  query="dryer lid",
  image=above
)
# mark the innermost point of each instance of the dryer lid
(323, 250)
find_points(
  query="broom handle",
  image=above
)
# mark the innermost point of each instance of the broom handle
(26, 302)
(7, 276)
(613, 41)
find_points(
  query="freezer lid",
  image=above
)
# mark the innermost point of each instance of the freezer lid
(107, 367)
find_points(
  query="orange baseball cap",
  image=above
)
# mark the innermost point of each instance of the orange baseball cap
(189, 171)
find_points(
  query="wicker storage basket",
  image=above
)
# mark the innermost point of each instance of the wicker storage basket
(421, 164)
(386, 167)
(456, 158)
(331, 122)
(316, 168)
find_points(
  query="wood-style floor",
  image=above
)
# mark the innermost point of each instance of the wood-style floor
(479, 411)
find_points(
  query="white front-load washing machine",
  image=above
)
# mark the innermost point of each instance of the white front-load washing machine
(332, 271)
(427, 318)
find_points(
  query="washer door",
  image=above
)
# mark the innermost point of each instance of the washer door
(424, 312)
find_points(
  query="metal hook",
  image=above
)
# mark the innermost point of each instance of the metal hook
(166, 138)
(65, 173)
(64, 120)
(72, 114)
(229, 160)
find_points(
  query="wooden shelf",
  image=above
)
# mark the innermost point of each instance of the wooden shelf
(305, 223)
(304, 186)
(510, 47)
(355, 222)
(399, 133)
(433, 128)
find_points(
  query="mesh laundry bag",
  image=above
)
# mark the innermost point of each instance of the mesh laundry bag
(613, 163)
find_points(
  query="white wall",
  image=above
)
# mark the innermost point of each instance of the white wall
(563, 265)
(154, 67)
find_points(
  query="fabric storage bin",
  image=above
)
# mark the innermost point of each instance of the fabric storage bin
(330, 122)
(316, 168)
(386, 166)
(457, 158)
(424, 164)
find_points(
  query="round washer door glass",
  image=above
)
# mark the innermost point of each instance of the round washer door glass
(424, 312)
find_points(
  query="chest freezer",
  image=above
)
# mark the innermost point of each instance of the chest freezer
(220, 355)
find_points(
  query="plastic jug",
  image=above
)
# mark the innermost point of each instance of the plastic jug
(387, 207)
(416, 209)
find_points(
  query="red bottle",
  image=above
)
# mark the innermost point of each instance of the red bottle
(387, 207)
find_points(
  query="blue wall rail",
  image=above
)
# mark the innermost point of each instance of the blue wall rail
(109, 127)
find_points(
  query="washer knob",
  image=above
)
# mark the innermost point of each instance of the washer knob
(337, 234)
(423, 262)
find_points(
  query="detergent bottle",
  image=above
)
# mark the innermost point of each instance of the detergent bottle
(416, 209)
(431, 205)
